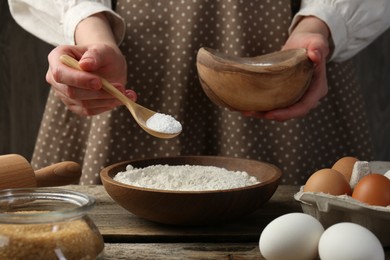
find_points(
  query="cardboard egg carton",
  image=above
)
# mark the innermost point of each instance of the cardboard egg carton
(330, 209)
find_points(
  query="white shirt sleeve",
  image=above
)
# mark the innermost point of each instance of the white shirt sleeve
(353, 24)
(55, 21)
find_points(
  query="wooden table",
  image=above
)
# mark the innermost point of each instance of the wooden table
(128, 237)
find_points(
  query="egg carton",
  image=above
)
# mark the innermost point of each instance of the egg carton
(330, 209)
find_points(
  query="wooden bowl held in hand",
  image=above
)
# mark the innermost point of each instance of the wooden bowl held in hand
(193, 207)
(261, 83)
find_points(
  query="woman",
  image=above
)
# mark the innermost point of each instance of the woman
(147, 49)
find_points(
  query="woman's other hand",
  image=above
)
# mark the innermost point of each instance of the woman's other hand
(313, 35)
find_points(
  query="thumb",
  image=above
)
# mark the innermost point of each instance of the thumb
(89, 61)
(315, 56)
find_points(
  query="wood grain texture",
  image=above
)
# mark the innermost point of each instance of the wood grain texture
(23, 89)
(128, 237)
(188, 251)
(259, 83)
(16, 172)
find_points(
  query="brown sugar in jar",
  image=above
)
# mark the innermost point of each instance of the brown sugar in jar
(47, 224)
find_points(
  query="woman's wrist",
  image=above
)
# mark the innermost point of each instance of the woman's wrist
(311, 24)
(95, 29)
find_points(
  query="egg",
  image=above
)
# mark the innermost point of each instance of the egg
(292, 236)
(345, 166)
(328, 181)
(346, 240)
(373, 189)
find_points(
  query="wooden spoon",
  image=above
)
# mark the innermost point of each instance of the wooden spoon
(16, 172)
(141, 114)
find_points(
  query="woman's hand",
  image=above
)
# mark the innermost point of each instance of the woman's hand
(98, 55)
(313, 35)
(81, 91)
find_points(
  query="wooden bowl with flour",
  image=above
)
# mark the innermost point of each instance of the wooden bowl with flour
(193, 207)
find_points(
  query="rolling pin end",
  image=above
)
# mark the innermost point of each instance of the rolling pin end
(63, 173)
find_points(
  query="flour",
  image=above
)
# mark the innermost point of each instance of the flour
(164, 124)
(185, 178)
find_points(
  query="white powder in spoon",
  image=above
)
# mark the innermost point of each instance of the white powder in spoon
(164, 124)
(185, 178)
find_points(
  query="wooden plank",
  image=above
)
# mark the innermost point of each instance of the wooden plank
(117, 224)
(183, 251)
(128, 237)
(188, 251)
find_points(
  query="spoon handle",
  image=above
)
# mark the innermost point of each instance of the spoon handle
(107, 86)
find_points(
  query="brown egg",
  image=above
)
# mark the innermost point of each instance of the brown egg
(345, 166)
(328, 181)
(373, 189)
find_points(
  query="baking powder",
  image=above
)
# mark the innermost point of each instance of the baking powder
(164, 124)
(185, 178)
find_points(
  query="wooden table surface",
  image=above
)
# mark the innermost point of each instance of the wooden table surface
(127, 236)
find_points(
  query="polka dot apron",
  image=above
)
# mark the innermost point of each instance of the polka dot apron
(161, 43)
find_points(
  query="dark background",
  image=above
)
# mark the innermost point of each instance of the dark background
(23, 89)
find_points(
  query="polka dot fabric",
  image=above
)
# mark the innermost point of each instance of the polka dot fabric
(162, 40)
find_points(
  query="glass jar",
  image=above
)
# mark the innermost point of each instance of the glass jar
(47, 223)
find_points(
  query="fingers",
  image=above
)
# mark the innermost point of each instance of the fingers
(84, 102)
(81, 91)
(317, 51)
(97, 56)
(87, 102)
(76, 92)
(88, 107)
(61, 73)
(317, 90)
(88, 61)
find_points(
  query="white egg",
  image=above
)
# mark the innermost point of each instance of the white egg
(347, 241)
(292, 236)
